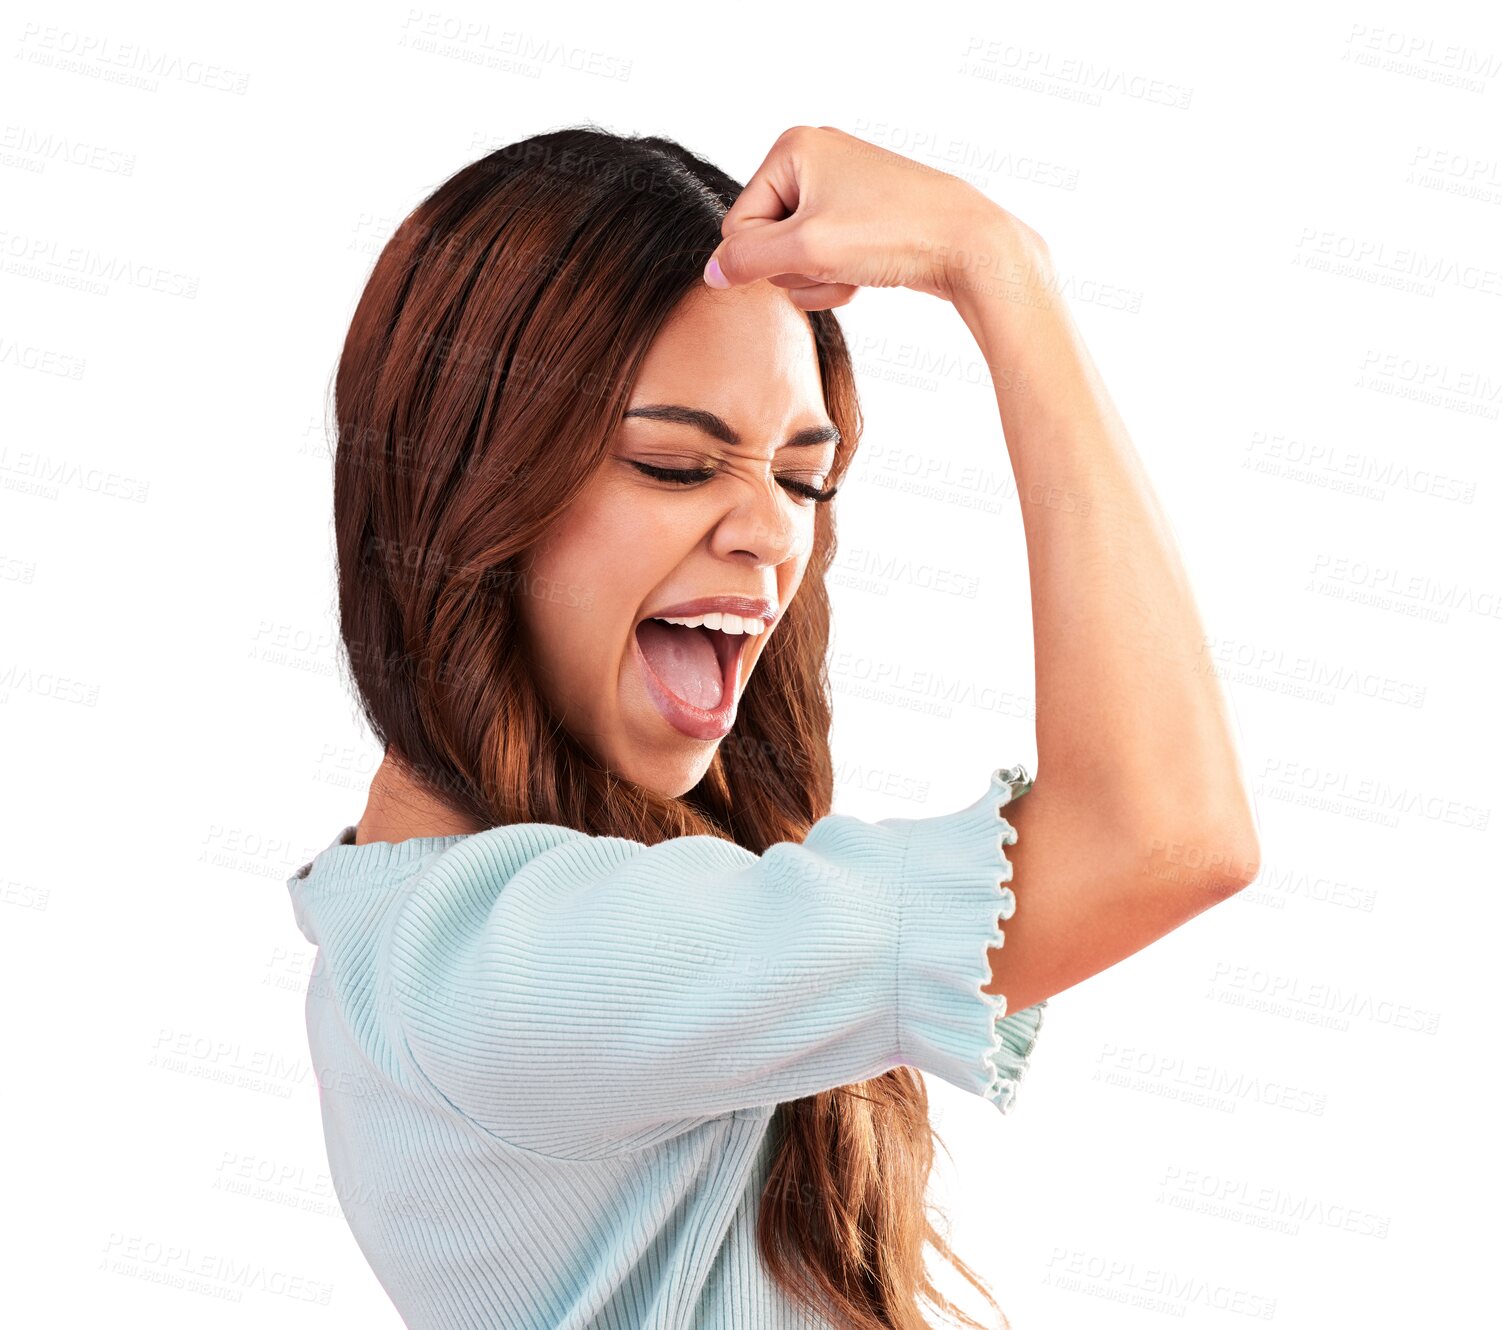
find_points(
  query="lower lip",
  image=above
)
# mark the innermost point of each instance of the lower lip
(688, 720)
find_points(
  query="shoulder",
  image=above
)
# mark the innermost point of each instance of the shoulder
(544, 852)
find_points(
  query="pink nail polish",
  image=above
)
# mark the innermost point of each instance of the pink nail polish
(713, 276)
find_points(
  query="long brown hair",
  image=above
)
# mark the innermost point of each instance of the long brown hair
(488, 362)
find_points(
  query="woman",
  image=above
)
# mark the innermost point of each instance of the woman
(616, 1024)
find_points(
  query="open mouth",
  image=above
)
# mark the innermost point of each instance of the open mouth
(691, 675)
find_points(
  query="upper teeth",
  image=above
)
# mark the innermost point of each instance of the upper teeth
(726, 623)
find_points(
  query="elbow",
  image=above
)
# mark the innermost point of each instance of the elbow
(1215, 852)
(1243, 846)
(1245, 862)
(1183, 825)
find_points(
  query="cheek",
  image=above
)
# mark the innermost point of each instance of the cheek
(583, 586)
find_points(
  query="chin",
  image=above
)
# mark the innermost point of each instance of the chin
(672, 779)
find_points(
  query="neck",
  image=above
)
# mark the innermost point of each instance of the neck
(399, 808)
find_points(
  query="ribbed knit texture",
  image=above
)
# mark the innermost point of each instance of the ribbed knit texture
(548, 1062)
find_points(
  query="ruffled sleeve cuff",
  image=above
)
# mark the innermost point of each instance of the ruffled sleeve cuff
(955, 893)
(1011, 1056)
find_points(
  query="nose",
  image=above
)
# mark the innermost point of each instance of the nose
(764, 523)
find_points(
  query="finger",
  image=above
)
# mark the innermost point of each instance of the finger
(822, 295)
(840, 293)
(812, 302)
(775, 249)
(770, 195)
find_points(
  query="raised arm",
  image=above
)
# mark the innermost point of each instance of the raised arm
(1135, 750)
(1138, 819)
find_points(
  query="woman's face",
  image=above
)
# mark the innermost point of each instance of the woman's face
(654, 708)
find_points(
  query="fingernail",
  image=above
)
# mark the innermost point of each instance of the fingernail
(713, 276)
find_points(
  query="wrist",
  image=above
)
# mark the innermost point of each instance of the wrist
(1002, 282)
(996, 257)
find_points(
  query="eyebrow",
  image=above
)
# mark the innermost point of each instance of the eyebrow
(711, 424)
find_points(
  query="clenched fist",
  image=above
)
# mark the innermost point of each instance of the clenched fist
(827, 212)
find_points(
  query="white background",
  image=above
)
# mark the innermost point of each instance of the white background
(1279, 227)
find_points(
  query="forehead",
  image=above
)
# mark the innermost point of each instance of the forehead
(747, 354)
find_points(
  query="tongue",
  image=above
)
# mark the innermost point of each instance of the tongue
(685, 661)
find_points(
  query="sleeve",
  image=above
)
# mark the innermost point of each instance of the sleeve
(601, 993)
(1012, 1055)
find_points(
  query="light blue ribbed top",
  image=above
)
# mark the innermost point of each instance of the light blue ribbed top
(548, 1062)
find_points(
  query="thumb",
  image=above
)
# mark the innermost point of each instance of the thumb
(757, 251)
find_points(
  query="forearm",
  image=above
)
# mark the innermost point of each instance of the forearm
(1128, 715)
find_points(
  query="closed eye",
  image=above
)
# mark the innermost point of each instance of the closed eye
(701, 474)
